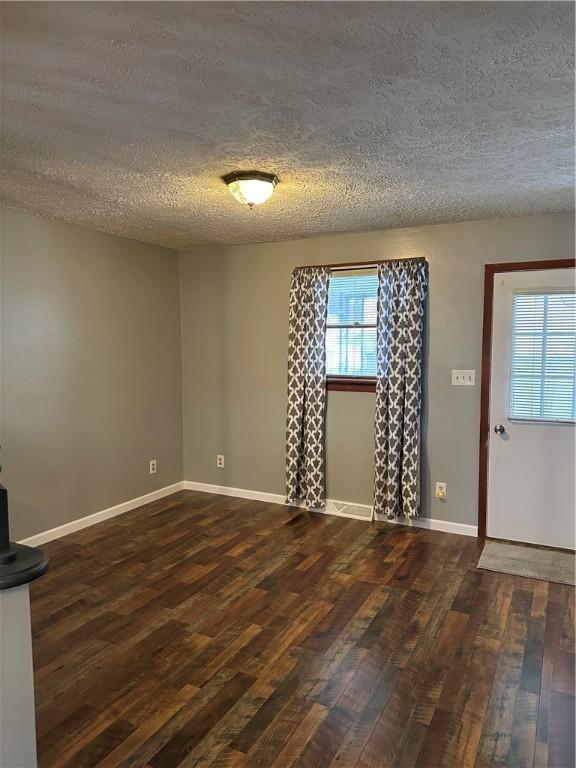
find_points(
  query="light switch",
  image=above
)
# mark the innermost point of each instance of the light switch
(463, 378)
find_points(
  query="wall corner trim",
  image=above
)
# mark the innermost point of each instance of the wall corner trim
(335, 507)
(103, 514)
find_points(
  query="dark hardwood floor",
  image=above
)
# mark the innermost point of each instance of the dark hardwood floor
(202, 630)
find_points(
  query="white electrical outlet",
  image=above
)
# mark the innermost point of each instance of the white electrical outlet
(463, 378)
(440, 491)
(152, 466)
(220, 461)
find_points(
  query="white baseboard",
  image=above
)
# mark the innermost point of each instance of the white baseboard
(98, 517)
(433, 524)
(334, 507)
(240, 493)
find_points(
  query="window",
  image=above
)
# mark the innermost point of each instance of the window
(543, 357)
(351, 330)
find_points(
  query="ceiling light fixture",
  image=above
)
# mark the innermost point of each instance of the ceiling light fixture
(251, 187)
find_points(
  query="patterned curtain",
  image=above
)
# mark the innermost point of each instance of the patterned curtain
(307, 386)
(402, 289)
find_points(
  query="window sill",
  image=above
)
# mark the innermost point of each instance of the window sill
(549, 422)
(350, 384)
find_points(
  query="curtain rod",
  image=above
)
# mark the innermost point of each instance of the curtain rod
(359, 264)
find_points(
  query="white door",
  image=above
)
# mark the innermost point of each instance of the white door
(531, 465)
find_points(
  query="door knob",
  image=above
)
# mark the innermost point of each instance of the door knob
(499, 429)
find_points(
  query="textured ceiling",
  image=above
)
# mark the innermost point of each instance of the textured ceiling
(122, 116)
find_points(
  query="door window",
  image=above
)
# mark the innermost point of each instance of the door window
(543, 370)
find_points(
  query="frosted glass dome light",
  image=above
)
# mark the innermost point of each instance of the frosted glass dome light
(251, 187)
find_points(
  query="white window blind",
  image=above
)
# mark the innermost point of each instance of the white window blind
(543, 370)
(351, 327)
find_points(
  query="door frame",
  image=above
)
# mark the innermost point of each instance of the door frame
(490, 270)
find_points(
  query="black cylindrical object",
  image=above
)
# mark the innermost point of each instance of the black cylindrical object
(19, 564)
(4, 526)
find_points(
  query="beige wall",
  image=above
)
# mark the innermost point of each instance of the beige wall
(91, 377)
(234, 337)
(91, 368)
